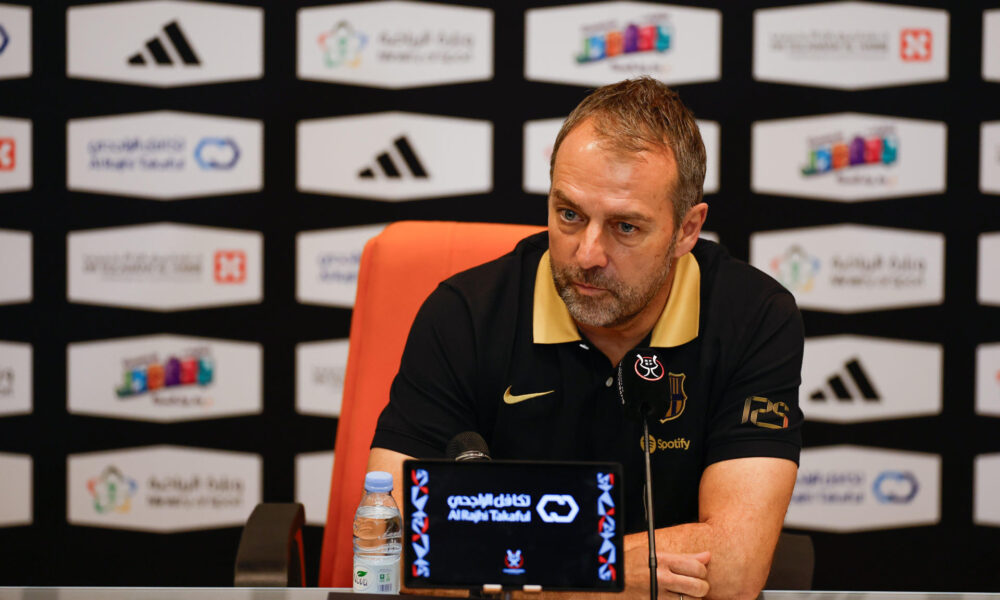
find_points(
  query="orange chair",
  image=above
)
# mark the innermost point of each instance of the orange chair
(399, 268)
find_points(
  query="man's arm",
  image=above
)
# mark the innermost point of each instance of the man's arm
(742, 504)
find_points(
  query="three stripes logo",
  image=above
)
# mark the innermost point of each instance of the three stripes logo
(388, 163)
(157, 49)
(837, 385)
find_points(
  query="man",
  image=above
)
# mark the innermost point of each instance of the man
(524, 350)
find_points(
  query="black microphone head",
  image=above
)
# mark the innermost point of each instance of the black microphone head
(643, 385)
(467, 445)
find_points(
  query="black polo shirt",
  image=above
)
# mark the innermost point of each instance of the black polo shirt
(494, 350)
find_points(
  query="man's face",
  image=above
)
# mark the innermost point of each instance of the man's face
(612, 234)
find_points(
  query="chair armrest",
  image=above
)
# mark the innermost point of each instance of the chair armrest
(270, 552)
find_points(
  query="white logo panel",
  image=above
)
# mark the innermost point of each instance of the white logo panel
(313, 472)
(320, 368)
(988, 379)
(15, 379)
(602, 43)
(989, 158)
(853, 268)
(15, 268)
(850, 379)
(395, 156)
(162, 488)
(850, 45)
(989, 269)
(851, 488)
(540, 137)
(991, 45)
(165, 43)
(165, 266)
(164, 378)
(848, 157)
(395, 44)
(15, 155)
(15, 41)
(165, 155)
(16, 499)
(327, 264)
(987, 490)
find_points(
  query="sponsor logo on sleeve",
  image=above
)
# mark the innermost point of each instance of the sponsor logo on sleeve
(165, 155)
(313, 471)
(988, 379)
(15, 155)
(765, 413)
(987, 490)
(851, 379)
(848, 157)
(853, 268)
(989, 269)
(15, 41)
(15, 472)
(989, 157)
(850, 45)
(395, 156)
(320, 368)
(165, 43)
(164, 378)
(15, 379)
(395, 44)
(991, 45)
(327, 263)
(165, 267)
(605, 42)
(540, 136)
(162, 488)
(15, 268)
(852, 488)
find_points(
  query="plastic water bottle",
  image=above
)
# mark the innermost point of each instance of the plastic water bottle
(377, 538)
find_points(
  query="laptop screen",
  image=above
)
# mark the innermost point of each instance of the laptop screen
(513, 523)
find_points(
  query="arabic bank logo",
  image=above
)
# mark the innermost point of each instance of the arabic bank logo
(895, 487)
(4, 39)
(600, 41)
(230, 266)
(112, 491)
(8, 154)
(513, 560)
(796, 269)
(148, 374)
(342, 45)
(157, 49)
(565, 513)
(915, 45)
(216, 154)
(832, 153)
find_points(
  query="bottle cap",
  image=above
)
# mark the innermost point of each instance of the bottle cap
(378, 481)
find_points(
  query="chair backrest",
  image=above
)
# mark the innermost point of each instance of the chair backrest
(399, 268)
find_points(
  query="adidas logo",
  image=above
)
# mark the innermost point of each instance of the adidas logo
(157, 48)
(837, 385)
(386, 166)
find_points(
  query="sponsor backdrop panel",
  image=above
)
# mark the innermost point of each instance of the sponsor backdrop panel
(186, 188)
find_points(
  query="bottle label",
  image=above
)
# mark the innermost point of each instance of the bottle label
(376, 579)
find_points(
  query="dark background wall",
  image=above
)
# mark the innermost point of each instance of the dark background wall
(953, 555)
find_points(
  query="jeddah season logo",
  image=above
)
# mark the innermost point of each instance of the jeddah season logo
(796, 269)
(342, 45)
(650, 37)
(112, 491)
(832, 153)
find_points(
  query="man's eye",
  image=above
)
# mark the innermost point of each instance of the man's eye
(569, 215)
(626, 227)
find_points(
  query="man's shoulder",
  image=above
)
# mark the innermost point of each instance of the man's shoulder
(485, 282)
(731, 284)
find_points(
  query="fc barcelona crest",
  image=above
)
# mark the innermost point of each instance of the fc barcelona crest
(677, 400)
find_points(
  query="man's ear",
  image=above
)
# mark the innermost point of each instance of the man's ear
(690, 229)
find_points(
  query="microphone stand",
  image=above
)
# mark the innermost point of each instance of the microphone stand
(649, 513)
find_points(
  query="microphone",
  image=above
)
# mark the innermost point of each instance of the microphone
(467, 445)
(641, 390)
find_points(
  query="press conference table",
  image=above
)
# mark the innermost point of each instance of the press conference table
(138, 593)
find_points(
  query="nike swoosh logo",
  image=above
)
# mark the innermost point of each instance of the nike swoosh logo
(509, 398)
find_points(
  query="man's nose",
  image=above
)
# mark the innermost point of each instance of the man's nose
(591, 252)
